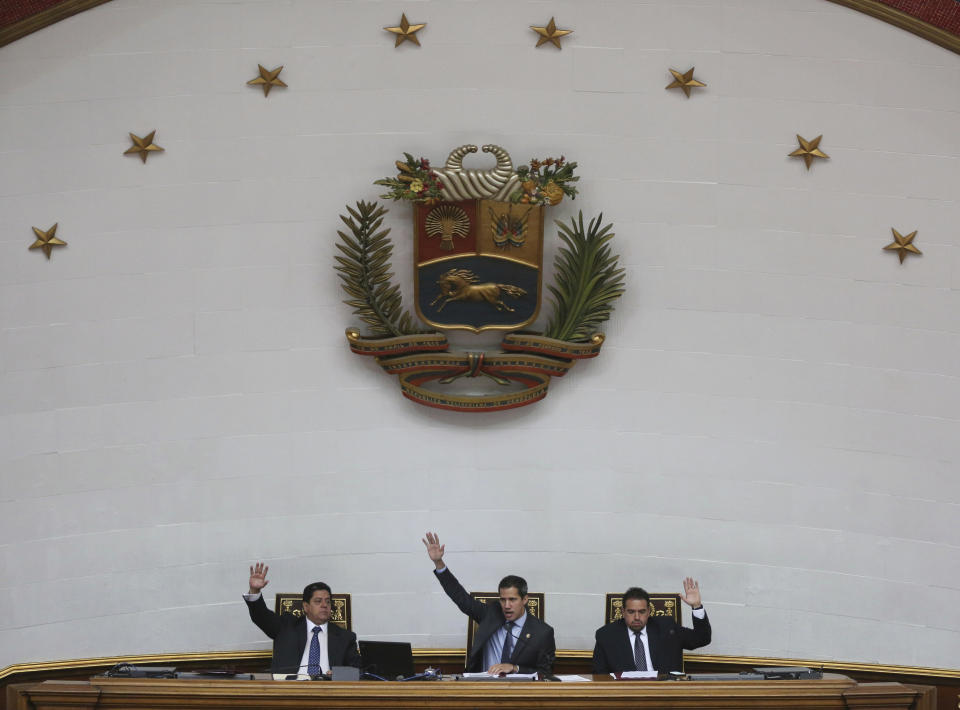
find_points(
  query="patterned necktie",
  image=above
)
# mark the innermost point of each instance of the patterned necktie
(507, 644)
(313, 661)
(639, 657)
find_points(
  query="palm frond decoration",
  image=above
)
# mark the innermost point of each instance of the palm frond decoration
(364, 266)
(587, 280)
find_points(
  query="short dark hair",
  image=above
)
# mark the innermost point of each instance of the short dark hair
(636, 593)
(512, 580)
(315, 587)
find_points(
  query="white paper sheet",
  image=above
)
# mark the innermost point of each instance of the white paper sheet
(637, 675)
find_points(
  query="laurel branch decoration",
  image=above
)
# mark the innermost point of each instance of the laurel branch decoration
(365, 271)
(587, 280)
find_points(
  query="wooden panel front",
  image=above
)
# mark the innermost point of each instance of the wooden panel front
(832, 692)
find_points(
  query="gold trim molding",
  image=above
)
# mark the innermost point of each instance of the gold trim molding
(45, 18)
(900, 19)
(165, 658)
(221, 656)
(825, 665)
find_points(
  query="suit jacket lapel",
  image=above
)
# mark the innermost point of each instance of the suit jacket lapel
(528, 633)
(485, 630)
(653, 641)
(301, 637)
(333, 641)
(627, 647)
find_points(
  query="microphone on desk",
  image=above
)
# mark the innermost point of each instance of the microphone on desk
(368, 672)
(291, 672)
(428, 674)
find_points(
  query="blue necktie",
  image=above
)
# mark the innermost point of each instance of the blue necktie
(507, 644)
(639, 657)
(313, 661)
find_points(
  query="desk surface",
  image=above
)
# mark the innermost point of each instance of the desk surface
(833, 691)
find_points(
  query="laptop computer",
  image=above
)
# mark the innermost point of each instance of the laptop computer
(387, 659)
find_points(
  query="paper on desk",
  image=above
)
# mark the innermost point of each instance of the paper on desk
(524, 676)
(284, 676)
(635, 675)
(573, 678)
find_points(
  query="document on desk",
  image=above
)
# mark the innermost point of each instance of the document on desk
(508, 676)
(573, 679)
(290, 676)
(637, 675)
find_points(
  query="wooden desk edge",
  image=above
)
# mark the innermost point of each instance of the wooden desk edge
(834, 691)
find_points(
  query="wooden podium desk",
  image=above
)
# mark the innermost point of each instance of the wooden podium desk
(833, 691)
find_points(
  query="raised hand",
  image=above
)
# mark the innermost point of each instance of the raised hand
(434, 549)
(258, 577)
(691, 592)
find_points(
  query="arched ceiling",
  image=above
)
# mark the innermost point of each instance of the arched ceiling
(935, 20)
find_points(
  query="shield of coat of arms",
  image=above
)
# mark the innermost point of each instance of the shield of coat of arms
(478, 264)
(478, 256)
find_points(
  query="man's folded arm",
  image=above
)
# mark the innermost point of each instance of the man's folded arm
(545, 658)
(699, 635)
(460, 596)
(268, 622)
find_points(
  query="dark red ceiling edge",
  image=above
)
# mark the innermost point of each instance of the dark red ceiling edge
(943, 27)
(18, 18)
(935, 20)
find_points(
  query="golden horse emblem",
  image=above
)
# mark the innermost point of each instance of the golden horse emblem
(461, 285)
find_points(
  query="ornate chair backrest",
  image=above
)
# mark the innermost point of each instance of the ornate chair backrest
(293, 604)
(660, 605)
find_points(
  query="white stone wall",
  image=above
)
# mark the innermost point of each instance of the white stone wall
(774, 412)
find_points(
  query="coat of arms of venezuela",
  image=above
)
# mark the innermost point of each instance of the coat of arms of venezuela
(478, 253)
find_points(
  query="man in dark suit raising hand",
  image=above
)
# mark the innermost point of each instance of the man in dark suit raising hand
(309, 644)
(508, 639)
(643, 642)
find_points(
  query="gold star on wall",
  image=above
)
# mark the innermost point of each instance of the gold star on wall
(268, 79)
(550, 33)
(47, 240)
(808, 150)
(143, 146)
(903, 244)
(406, 31)
(684, 81)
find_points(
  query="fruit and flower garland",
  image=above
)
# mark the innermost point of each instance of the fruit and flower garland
(546, 181)
(415, 182)
(543, 182)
